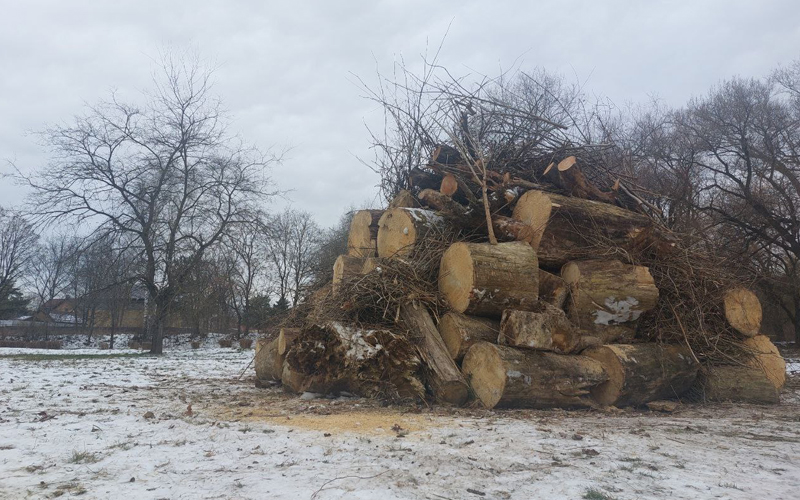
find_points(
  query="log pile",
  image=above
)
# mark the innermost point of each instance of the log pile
(526, 293)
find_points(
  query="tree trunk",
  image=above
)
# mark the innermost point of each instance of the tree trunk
(268, 362)
(444, 379)
(767, 358)
(286, 339)
(459, 332)
(743, 311)
(363, 235)
(482, 279)
(552, 289)
(741, 384)
(643, 372)
(505, 377)
(401, 228)
(607, 294)
(567, 228)
(345, 268)
(546, 328)
(404, 199)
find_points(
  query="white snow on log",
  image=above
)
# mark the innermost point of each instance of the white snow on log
(516, 374)
(353, 339)
(617, 311)
(425, 216)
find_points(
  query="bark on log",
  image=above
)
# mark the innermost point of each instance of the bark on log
(767, 358)
(268, 362)
(640, 373)
(363, 235)
(506, 377)
(286, 338)
(346, 267)
(743, 311)
(741, 384)
(605, 294)
(401, 228)
(404, 199)
(482, 279)
(552, 289)
(460, 332)
(545, 328)
(574, 226)
(444, 379)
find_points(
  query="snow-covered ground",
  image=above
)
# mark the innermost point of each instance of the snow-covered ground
(77, 427)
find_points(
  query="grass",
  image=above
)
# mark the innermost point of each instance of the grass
(83, 457)
(593, 494)
(58, 357)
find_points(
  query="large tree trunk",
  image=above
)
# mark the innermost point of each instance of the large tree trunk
(545, 328)
(567, 228)
(400, 229)
(640, 373)
(767, 358)
(743, 311)
(287, 337)
(740, 384)
(346, 267)
(268, 362)
(459, 332)
(483, 279)
(444, 379)
(506, 377)
(607, 297)
(363, 235)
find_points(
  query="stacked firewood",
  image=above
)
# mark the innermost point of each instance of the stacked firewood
(526, 294)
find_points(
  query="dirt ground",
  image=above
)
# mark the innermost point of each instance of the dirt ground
(187, 426)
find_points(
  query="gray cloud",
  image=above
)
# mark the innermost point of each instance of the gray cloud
(284, 68)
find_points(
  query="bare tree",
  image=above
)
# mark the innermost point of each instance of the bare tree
(47, 272)
(245, 261)
(292, 240)
(165, 176)
(17, 242)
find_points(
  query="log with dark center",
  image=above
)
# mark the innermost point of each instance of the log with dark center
(363, 235)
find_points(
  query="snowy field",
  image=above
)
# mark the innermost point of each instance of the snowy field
(185, 426)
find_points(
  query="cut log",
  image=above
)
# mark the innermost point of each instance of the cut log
(334, 357)
(552, 289)
(482, 279)
(444, 379)
(346, 267)
(401, 228)
(741, 384)
(363, 235)
(404, 199)
(640, 373)
(268, 362)
(574, 183)
(607, 294)
(460, 332)
(286, 338)
(449, 185)
(743, 311)
(767, 358)
(533, 209)
(505, 377)
(572, 228)
(545, 328)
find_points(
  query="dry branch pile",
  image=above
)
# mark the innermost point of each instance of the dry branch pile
(527, 286)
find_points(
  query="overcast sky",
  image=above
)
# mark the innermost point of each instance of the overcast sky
(285, 67)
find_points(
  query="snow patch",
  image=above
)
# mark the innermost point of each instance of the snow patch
(617, 311)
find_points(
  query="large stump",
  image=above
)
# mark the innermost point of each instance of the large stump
(767, 358)
(268, 362)
(400, 229)
(741, 384)
(505, 377)
(459, 332)
(363, 235)
(640, 373)
(743, 311)
(607, 297)
(483, 279)
(544, 328)
(444, 379)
